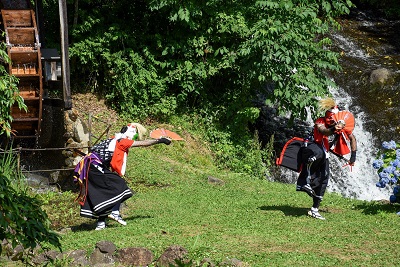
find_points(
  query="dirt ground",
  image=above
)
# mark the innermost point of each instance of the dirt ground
(103, 117)
(89, 102)
(90, 105)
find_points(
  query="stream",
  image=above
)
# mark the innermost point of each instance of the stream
(365, 43)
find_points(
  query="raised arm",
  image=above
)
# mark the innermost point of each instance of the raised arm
(328, 130)
(150, 142)
(353, 147)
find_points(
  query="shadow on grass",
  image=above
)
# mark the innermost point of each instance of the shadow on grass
(287, 210)
(91, 226)
(375, 207)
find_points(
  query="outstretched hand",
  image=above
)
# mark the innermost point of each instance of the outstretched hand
(339, 126)
(164, 140)
(352, 158)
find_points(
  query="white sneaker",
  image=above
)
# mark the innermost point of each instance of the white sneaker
(315, 214)
(100, 225)
(117, 218)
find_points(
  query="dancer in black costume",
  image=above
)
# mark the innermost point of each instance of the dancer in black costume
(100, 172)
(314, 176)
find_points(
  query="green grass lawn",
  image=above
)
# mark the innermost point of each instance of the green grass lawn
(259, 222)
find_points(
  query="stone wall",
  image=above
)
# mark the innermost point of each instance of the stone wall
(106, 254)
(76, 136)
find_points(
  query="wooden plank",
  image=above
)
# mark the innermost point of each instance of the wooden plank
(24, 126)
(17, 18)
(28, 95)
(24, 51)
(24, 63)
(21, 36)
(32, 112)
(28, 90)
(27, 119)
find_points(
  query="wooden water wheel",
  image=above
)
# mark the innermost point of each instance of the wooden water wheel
(23, 48)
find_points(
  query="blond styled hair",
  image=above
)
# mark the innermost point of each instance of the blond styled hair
(326, 104)
(141, 130)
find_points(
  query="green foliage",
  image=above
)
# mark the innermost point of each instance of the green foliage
(159, 58)
(234, 149)
(143, 91)
(155, 58)
(60, 262)
(182, 263)
(269, 156)
(9, 94)
(284, 50)
(22, 221)
(64, 203)
(8, 163)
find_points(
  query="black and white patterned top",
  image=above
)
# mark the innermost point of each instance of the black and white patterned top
(102, 149)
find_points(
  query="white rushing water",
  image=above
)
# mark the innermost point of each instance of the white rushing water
(359, 182)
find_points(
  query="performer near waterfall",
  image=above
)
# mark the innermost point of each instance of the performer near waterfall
(314, 176)
(102, 189)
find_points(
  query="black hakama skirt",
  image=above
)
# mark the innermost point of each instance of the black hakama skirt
(105, 189)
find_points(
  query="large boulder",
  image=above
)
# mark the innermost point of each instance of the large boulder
(135, 256)
(77, 257)
(171, 255)
(380, 76)
(103, 253)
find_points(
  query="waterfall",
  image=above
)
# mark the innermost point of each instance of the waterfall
(358, 181)
(366, 44)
